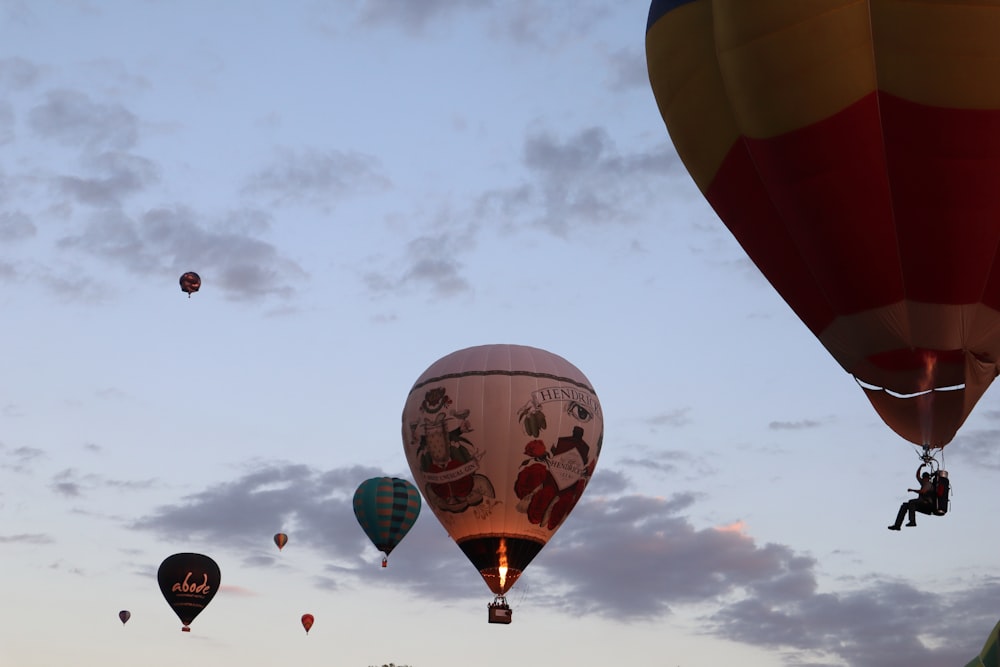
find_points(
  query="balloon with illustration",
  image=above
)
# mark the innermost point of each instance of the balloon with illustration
(188, 582)
(853, 151)
(386, 508)
(502, 441)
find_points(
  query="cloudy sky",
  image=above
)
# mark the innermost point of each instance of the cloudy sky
(365, 187)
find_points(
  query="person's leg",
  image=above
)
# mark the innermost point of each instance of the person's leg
(899, 517)
(911, 506)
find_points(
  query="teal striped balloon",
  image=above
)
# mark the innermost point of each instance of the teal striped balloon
(386, 508)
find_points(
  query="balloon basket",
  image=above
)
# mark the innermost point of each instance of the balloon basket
(385, 562)
(185, 629)
(499, 610)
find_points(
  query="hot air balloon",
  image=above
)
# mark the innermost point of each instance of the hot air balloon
(502, 440)
(990, 655)
(124, 615)
(386, 508)
(307, 622)
(188, 582)
(280, 539)
(853, 150)
(190, 283)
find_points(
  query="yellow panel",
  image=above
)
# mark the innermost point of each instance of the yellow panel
(787, 64)
(684, 74)
(939, 52)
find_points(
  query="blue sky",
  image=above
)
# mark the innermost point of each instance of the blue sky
(365, 187)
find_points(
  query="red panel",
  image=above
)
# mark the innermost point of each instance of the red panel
(944, 167)
(875, 208)
(739, 198)
(829, 186)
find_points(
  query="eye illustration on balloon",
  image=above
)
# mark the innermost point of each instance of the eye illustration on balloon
(502, 441)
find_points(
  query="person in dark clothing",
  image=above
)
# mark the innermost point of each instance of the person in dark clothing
(924, 502)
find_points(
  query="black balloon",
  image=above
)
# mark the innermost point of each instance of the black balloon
(188, 582)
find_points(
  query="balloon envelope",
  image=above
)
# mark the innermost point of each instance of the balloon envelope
(990, 655)
(307, 622)
(188, 582)
(853, 150)
(124, 615)
(502, 440)
(280, 539)
(190, 282)
(386, 508)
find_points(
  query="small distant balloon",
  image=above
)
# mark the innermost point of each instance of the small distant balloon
(280, 539)
(307, 622)
(188, 582)
(190, 283)
(124, 615)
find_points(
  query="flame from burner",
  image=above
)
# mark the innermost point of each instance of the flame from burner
(502, 560)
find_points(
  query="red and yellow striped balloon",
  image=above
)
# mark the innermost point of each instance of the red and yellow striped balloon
(852, 147)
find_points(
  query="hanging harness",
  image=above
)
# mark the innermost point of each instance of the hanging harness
(937, 500)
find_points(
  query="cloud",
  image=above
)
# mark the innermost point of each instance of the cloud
(117, 176)
(414, 17)
(26, 538)
(429, 265)
(169, 241)
(676, 417)
(63, 484)
(70, 118)
(890, 624)
(794, 426)
(627, 69)
(316, 177)
(581, 180)
(18, 73)
(16, 226)
(539, 24)
(628, 557)
(72, 484)
(19, 459)
(242, 512)
(978, 448)
(6, 122)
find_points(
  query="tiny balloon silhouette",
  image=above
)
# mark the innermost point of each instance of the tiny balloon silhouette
(190, 283)
(280, 540)
(188, 582)
(124, 615)
(307, 622)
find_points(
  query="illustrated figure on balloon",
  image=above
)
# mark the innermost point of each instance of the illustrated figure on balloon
(449, 461)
